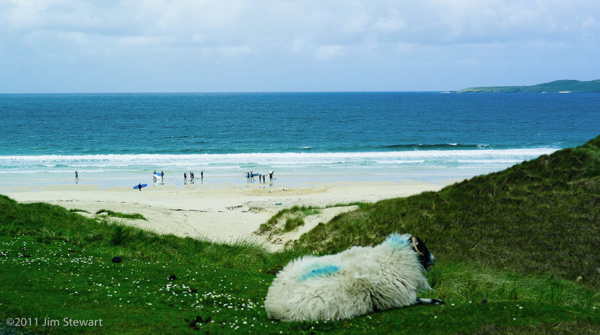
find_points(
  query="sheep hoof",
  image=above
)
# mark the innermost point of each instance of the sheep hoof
(421, 301)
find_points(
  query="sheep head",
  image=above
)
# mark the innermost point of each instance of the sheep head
(425, 257)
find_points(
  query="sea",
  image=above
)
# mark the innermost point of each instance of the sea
(436, 137)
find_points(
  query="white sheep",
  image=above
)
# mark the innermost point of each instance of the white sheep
(355, 282)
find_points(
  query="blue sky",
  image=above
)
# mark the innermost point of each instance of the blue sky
(61, 46)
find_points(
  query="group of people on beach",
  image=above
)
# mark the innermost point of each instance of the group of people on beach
(192, 175)
(185, 176)
(249, 175)
(262, 178)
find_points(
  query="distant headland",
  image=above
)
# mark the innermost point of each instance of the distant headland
(558, 86)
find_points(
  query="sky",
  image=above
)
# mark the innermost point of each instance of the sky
(99, 46)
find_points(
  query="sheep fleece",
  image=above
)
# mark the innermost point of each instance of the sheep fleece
(355, 282)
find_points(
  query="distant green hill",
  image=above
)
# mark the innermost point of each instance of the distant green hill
(592, 86)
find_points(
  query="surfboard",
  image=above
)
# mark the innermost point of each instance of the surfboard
(138, 186)
(158, 174)
(254, 175)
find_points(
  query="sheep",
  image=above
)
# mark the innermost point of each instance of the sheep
(355, 282)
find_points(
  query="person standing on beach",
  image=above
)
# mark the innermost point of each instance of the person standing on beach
(76, 176)
(201, 174)
(184, 176)
(140, 186)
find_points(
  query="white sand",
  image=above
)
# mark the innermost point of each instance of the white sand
(223, 213)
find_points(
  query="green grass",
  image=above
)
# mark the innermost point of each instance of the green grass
(121, 215)
(294, 217)
(136, 296)
(509, 248)
(541, 216)
(75, 210)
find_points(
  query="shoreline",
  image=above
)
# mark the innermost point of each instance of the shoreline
(223, 212)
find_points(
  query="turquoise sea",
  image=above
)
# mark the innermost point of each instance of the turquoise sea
(115, 139)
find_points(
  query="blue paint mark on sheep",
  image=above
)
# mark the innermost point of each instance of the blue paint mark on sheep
(326, 270)
(395, 240)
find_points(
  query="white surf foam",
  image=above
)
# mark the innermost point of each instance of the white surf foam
(255, 161)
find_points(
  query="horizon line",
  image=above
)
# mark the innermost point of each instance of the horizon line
(224, 92)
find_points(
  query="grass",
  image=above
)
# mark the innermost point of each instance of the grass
(540, 216)
(75, 210)
(509, 246)
(293, 223)
(121, 215)
(136, 295)
(294, 217)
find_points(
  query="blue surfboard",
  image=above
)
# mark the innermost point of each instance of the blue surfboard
(138, 186)
(253, 175)
(158, 174)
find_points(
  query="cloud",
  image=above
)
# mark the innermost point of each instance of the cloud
(297, 46)
(287, 36)
(142, 41)
(269, 22)
(234, 51)
(326, 52)
(390, 24)
(589, 23)
(356, 23)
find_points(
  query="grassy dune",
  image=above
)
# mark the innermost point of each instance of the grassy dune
(517, 252)
(292, 217)
(107, 212)
(540, 216)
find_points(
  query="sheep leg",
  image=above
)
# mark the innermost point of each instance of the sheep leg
(421, 301)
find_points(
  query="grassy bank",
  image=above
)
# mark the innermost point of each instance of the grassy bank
(58, 280)
(541, 216)
(287, 219)
(516, 251)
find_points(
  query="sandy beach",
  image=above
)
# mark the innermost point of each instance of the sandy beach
(221, 212)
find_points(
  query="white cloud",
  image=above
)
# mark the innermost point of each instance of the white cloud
(197, 38)
(297, 46)
(390, 24)
(356, 23)
(326, 52)
(268, 22)
(142, 41)
(588, 23)
(234, 51)
(404, 47)
(168, 34)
